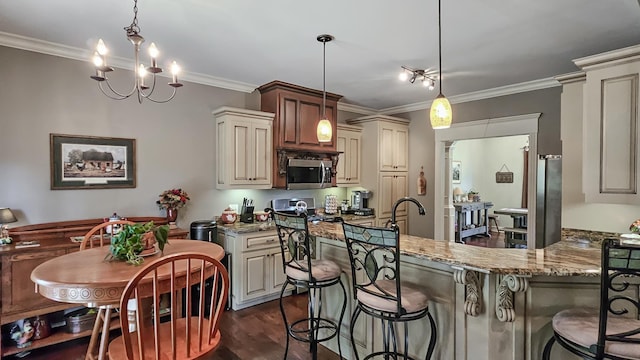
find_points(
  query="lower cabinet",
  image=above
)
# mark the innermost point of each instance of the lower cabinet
(257, 274)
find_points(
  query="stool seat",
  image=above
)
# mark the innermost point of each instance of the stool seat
(321, 270)
(412, 300)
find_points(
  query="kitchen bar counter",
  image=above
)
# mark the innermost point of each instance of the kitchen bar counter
(242, 228)
(488, 303)
(564, 258)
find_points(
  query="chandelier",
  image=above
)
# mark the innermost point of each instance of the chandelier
(142, 89)
(427, 79)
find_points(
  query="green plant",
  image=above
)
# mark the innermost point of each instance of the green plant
(127, 244)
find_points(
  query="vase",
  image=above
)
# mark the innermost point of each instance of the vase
(172, 215)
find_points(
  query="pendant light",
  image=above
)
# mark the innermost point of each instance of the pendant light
(324, 130)
(440, 113)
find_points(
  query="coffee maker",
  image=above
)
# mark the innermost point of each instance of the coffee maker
(360, 202)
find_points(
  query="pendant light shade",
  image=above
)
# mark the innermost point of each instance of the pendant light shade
(324, 131)
(440, 114)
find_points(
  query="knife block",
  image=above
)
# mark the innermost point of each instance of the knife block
(247, 215)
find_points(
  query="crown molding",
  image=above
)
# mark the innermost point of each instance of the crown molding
(618, 56)
(578, 76)
(478, 95)
(55, 49)
(356, 109)
(69, 52)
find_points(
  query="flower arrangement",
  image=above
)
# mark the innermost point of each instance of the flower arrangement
(635, 226)
(173, 199)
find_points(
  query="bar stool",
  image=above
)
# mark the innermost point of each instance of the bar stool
(302, 270)
(374, 254)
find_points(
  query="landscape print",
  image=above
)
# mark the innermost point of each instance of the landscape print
(83, 161)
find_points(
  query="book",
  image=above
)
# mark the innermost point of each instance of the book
(24, 244)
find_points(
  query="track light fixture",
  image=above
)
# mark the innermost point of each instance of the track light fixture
(427, 79)
(142, 90)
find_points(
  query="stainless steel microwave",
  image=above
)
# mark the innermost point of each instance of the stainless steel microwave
(308, 174)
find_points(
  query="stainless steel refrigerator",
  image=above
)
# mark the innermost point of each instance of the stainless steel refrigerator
(549, 200)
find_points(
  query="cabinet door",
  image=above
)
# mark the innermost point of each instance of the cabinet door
(394, 147)
(387, 149)
(392, 186)
(254, 277)
(18, 291)
(611, 163)
(242, 144)
(401, 149)
(277, 272)
(260, 158)
(348, 170)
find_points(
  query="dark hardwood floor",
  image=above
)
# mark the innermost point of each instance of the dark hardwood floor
(495, 240)
(256, 333)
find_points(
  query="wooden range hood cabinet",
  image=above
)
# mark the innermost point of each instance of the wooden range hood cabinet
(297, 112)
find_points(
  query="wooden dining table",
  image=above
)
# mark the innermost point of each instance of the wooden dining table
(88, 278)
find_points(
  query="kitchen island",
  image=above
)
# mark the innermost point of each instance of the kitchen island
(488, 303)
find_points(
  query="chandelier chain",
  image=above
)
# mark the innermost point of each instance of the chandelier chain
(324, 79)
(440, 46)
(134, 28)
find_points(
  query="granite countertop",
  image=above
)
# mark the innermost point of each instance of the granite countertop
(242, 228)
(564, 258)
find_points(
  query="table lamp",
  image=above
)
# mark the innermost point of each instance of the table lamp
(6, 216)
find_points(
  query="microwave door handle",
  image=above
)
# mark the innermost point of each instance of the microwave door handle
(322, 170)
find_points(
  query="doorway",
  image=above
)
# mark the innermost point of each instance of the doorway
(481, 129)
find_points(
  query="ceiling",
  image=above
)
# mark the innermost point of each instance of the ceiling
(243, 44)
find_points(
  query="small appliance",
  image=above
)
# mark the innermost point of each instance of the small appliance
(360, 202)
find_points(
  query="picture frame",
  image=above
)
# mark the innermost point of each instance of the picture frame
(456, 170)
(92, 162)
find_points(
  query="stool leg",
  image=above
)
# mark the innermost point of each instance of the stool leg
(432, 339)
(284, 318)
(344, 308)
(104, 339)
(313, 327)
(354, 317)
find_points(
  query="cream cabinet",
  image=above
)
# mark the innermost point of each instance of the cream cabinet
(391, 187)
(385, 174)
(348, 140)
(610, 126)
(394, 147)
(257, 274)
(401, 222)
(244, 148)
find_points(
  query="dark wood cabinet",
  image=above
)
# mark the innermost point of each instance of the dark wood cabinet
(297, 112)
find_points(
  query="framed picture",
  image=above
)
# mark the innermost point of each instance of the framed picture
(91, 162)
(456, 167)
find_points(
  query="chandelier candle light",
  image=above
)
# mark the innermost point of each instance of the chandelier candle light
(440, 113)
(142, 90)
(324, 130)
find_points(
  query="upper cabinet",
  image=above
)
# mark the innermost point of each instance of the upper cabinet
(244, 148)
(348, 141)
(610, 129)
(394, 147)
(297, 112)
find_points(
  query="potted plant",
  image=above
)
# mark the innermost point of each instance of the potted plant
(132, 240)
(172, 200)
(472, 194)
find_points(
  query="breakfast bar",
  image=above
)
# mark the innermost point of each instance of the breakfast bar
(488, 303)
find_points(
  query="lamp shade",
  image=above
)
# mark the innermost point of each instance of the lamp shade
(6, 216)
(440, 113)
(324, 131)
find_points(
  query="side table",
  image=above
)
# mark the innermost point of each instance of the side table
(478, 217)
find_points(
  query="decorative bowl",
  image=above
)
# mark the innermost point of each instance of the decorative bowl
(261, 216)
(229, 217)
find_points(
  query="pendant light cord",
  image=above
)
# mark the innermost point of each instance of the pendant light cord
(324, 78)
(440, 44)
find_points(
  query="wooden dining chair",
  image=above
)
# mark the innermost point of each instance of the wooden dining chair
(96, 238)
(97, 235)
(171, 336)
